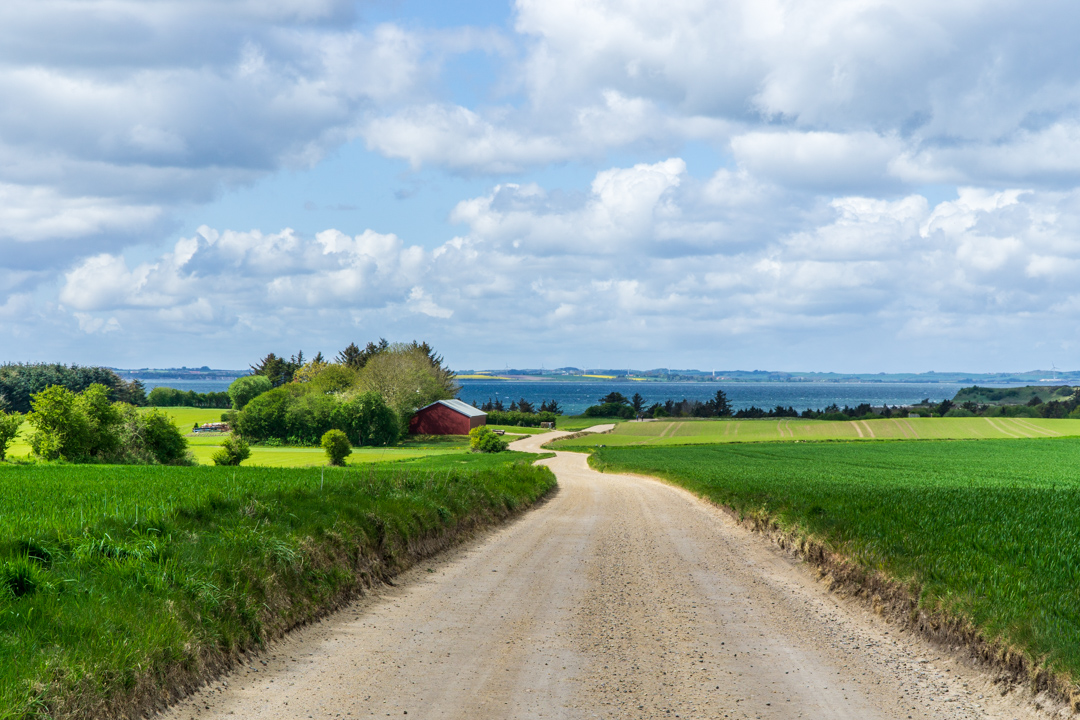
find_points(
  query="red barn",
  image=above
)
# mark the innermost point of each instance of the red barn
(447, 417)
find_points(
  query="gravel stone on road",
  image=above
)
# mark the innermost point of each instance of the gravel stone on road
(620, 597)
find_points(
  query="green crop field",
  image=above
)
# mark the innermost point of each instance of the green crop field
(693, 432)
(985, 530)
(121, 583)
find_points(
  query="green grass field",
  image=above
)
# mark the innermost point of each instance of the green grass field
(696, 432)
(119, 583)
(983, 529)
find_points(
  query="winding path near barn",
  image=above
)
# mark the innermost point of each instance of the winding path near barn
(621, 597)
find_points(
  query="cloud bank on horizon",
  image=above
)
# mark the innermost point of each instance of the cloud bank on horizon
(859, 185)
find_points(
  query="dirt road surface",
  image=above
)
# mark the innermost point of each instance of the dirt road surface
(620, 597)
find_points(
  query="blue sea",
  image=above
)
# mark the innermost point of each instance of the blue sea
(199, 386)
(574, 397)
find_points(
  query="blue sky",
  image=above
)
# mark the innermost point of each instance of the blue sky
(857, 186)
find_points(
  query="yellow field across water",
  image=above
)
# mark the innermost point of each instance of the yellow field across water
(694, 432)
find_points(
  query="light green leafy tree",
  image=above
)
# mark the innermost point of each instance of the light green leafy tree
(74, 427)
(9, 428)
(243, 390)
(407, 378)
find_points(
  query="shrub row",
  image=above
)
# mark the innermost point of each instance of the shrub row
(520, 419)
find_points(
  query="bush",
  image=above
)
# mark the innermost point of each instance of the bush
(77, 428)
(88, 428)
(337, 446)
(959, 412)
(296, 413)
(243, 390)
(233, 451)
(151, 438)
(483, 439)
(9, 428)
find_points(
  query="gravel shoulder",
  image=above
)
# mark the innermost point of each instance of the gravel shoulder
(620, 597)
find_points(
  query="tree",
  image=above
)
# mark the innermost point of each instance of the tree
(74, 427)
(337, 446)
(245, 389)
(277, 369)
(614, 397)
(310, 371)
(484, 440)
(719, 404)
(551, 406)
(151, 437)
(18, 382)
(354, 357)
(525, 406)
(233, 451)
(407, 379)
(9, 428)
(368, 420)
(637, 402)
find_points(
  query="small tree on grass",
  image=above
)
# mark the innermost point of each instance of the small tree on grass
(9, 428)
(337, 446)
(483, 439)
(233, 451)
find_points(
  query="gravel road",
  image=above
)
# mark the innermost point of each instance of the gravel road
(620, 597)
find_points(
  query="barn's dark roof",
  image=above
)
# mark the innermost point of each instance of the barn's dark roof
(458, 406)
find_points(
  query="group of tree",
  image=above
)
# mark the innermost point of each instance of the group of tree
(19, 382)
(616, 404)
(368, 394)
(171, 397)
(89, 426)
(1036, 407)
(522, 406)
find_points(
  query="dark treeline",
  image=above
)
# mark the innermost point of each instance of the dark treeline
(522, 406)
(171, 397)
(618, 405)
(18, 381)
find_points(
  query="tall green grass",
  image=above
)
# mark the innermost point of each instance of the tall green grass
(119, 586)
(984, 530)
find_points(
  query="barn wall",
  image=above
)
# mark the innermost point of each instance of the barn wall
(439, 420)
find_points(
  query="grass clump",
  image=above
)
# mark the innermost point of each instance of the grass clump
(984, 531)
(121, 586)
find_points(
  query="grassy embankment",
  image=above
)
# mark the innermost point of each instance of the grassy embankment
(696, 432)
(121, 586)
(982, 531)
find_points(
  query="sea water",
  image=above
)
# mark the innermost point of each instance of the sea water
(574, 396)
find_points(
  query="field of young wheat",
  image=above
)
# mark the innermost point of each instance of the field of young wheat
(985, 530)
